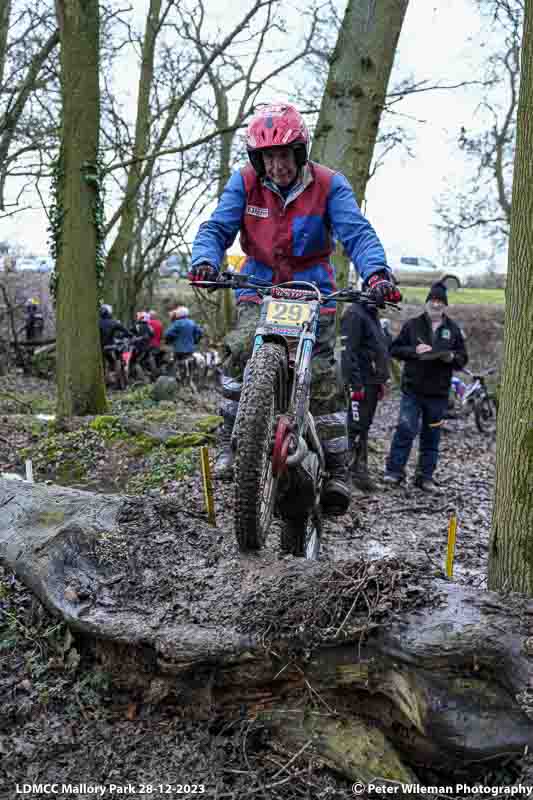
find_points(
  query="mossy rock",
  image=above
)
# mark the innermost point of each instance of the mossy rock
(164, 412)
(142, 445)
(165, 388)
(183, 440)
(43, 362)
(69, 471)
(208, 424)
(106, 424)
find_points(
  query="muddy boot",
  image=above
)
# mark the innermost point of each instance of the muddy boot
(427, 485)
(225, 458)
(335, 492)
(360, 476)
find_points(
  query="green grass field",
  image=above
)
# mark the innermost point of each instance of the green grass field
(418, 294)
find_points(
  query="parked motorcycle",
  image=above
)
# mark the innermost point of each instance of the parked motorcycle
(474, 397)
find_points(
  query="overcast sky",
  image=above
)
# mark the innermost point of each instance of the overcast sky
(439, 41)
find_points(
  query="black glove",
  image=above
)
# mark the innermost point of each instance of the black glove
(202, 272)
(383, 289)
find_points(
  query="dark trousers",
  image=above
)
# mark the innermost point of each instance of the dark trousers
(358, 429)
(417, 412)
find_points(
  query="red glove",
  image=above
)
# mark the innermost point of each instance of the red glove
(202, 272)
(383, 288)
(358, 394)
(381, 392)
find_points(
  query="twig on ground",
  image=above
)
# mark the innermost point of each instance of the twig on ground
(285, 767)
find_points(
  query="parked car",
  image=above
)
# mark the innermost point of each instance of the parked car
(418, 271)
(34, 265)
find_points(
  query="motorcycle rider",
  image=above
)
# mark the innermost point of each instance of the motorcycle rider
(289, 211)
(142, 333)
(109, 328)
(155, 342)
(183, 333)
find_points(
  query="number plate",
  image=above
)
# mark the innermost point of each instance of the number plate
(281, 312)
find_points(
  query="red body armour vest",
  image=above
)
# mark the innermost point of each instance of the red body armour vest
(287, 238)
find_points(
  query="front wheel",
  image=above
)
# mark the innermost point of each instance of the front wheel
(301, 536)
(485, 414)
(255, 483)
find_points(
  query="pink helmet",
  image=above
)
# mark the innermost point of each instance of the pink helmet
(143, 316)
(278, 125)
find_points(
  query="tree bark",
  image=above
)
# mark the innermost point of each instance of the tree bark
(356, 87)
(114, 289)
(80, 378)
(511, 544)
(354, 97)
(5, 14)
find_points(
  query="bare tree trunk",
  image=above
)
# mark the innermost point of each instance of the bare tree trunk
(114, 291)
(5, 13)
(355, 91)
(355, 94)
(79, 363)
(511, 545)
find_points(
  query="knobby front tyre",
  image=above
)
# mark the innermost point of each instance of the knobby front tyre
(255, 485)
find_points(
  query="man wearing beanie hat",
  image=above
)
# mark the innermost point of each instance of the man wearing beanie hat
(432, 346)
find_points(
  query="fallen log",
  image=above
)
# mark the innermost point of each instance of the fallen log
(371, 662)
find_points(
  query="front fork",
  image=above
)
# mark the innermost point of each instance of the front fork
(296, 430)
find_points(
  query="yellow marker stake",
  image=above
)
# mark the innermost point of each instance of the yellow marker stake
(452, 530)
(208, 486)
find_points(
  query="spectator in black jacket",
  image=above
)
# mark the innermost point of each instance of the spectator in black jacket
(34, 322)
(365, 360)
(432, 346)
(109, 329)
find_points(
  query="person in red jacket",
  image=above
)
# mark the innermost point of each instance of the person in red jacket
(157, 327)
(289, 211)
(155, 342)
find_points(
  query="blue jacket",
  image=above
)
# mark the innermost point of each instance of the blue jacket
(184, 334)
(292, 237)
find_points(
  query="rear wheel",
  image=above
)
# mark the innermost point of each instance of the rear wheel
(255, 484)
(301, 537)
(485, 414)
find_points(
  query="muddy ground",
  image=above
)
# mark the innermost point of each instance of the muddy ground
(63, 721)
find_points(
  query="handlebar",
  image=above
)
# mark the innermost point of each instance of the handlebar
(234, 280)
(477, 375)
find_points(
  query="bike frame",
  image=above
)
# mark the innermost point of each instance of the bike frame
(300, 367)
